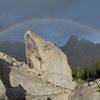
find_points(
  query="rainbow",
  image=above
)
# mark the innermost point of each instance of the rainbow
(47, 19)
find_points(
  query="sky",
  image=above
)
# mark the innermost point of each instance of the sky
(85, 12)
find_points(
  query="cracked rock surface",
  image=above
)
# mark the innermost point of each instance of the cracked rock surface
(46, 76)
(48, 60)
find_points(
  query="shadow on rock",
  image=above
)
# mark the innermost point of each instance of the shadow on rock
(13, 93)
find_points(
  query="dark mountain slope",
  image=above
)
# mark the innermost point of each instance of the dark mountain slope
(81, 52)
(16, 50)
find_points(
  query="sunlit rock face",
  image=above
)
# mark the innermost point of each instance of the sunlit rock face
(23, 84)
(48, 60)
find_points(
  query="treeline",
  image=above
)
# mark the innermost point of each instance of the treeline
(86, 73)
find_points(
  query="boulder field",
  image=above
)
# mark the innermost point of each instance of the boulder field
(45, 76)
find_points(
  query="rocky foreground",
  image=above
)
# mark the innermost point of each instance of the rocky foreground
(46, 76)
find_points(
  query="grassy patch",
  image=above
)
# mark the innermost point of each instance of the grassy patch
(80, 82)
(98, 90)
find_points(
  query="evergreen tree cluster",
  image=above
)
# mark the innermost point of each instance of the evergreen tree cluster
(86, 73)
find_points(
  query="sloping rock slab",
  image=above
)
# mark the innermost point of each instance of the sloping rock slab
(48, 60)
(85, 93)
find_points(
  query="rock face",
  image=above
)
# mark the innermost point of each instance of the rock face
(48, 60)
(47, 75)
(2, 92)
(85, 93)
(22, 82)
(95, 84)
(98, 82)
(44, 78)
(7, 63)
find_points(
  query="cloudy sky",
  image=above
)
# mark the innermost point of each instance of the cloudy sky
(86, 12)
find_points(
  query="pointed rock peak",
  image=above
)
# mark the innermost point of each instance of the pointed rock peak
(73, 38)
(33, 37)
(30, 33)
(48, 60)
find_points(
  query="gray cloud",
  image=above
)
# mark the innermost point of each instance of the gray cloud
(83, 11)
(57, 31)
(15, 11)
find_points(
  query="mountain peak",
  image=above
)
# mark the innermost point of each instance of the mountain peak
(81, 52)
(73, 38)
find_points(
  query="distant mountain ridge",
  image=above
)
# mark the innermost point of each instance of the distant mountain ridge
(16, 50)
(81, 52)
